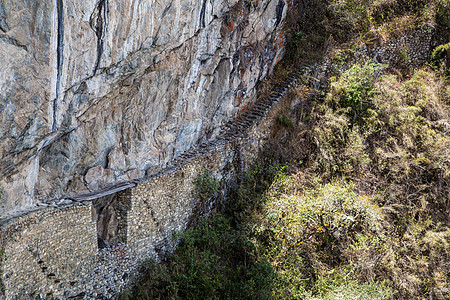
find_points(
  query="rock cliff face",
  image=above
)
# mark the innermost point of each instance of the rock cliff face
(98, 92)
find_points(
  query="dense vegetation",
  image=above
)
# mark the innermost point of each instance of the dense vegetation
(351, 199)
(316, 27)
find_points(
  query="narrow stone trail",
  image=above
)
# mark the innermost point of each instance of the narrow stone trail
(237, 127)
(234, 129)
(117, 264)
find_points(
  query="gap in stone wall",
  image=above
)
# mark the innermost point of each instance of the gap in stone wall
(106, 215)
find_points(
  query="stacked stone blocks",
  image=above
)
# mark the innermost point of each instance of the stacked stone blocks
(48, 252)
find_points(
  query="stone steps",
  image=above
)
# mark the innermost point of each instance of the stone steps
(231, 130)
(236, 128)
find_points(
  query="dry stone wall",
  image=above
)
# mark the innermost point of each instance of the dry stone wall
(410, 50)
(54, 253)
(165, 204)
(48, 253)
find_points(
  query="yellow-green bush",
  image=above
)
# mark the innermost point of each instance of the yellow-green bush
(334, 209)
(354, 90)
(440, 58)
(303, 234)
(416, 263)
(402, 134)
(396, 153)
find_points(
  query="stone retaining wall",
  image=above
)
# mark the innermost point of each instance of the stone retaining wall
(165, 205)
(48, 252)
(54, 252)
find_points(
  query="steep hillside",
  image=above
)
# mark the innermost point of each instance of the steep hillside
(338, 207)
(350, 199)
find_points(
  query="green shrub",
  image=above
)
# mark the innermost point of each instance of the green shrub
(205, 186)
(443, 13)
(248, 197)
(413, 151)
(285, 120)
(331, 209)
(440, 58)
(303, 235)
(397, 153)
(353, 14)
(354, 89)
(341, 148)
(400, 135)
(212, 261)
(356, 291)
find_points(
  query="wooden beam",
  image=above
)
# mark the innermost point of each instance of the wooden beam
(105, 192)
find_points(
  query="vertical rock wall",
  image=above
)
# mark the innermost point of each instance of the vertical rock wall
(100, 91)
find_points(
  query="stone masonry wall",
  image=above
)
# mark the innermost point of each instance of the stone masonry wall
(165, 204)
(54, 252)
(48, 252)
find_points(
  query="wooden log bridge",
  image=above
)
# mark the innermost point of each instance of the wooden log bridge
(104, 192)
